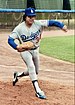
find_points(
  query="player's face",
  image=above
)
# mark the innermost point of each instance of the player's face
(30, 20)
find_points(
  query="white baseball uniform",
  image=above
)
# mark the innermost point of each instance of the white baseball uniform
(31, 57)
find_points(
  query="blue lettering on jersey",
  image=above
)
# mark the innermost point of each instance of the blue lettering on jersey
(33, 36)
(23, 37)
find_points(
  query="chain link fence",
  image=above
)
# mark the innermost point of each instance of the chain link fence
(10, 20)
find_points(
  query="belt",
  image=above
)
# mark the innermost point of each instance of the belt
(34, 48)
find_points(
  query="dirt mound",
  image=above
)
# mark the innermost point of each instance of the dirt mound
(23, 94)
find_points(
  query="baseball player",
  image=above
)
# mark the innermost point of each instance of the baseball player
(30, 30)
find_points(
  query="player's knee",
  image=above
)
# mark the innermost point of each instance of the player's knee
(32, 68)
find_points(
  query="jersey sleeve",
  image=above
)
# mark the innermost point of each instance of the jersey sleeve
(14, 34)
(12, 43)
(49, 23)
(42, 22)
(55, 23)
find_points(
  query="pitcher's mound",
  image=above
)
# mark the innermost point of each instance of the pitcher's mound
(23, 94)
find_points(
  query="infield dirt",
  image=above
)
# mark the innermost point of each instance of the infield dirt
(56, 77)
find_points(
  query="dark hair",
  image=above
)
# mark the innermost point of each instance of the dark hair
(24, 17)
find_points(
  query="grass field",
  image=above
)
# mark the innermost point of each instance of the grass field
(61, 47)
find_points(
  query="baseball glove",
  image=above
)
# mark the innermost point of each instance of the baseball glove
(27, 45)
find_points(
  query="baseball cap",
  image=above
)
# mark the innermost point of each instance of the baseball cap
(30, 12)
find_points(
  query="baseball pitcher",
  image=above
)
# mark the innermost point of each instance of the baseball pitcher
(28, 35)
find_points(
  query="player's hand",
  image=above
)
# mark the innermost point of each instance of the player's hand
(20, 49)
(64, 28)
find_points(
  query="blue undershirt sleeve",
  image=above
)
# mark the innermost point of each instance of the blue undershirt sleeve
(12, 43)
(55, 23)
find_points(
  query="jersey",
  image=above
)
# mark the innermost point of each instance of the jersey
(33, 33)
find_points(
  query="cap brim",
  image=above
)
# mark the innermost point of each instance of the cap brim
(31, 15)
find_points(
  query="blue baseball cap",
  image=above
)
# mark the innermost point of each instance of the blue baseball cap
(30, 12)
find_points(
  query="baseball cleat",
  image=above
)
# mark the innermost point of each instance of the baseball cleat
(41, 95)
(15, 79)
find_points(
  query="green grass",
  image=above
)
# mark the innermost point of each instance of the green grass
(61, 47)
